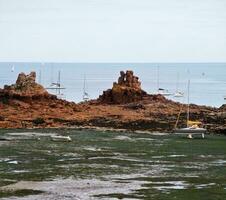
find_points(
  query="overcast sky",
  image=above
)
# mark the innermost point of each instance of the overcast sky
(113, 30)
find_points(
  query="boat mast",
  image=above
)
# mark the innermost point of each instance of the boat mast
(188, 109)
(177, 84)
(85, 94)
(58, 82)
(40, 77)
(157, 79)
(84, 85)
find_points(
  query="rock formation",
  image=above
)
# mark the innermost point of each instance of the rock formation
(126, 90)
(27, 104)
(25, 87)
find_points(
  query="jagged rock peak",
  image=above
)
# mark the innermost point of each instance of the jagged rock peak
(126, 90)
(129, 80)
(24, 79)
(26, 86)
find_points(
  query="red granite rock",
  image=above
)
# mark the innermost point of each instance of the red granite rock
(126, 90)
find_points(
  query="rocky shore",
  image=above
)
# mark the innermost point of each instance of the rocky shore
(26, 104)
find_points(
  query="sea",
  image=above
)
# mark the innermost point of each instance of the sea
(111, 165)
(207, 80)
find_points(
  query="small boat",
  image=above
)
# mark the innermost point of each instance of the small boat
(85, 96)
(161, 91)
(178, 94)
(191, 130)
(57, 87)
(59, 138)
(12, 69)
(193, 127)
(164, 92)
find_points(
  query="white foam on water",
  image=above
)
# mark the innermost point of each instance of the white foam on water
(219, 162)
(174, 156)
(92, 149)
(170, 185)
(146, 139)
(32, 134)
(122, 137)
(158, 157)
(13, 162)
(20, 171)
(201, 186)
(5, 160)
(75, 189)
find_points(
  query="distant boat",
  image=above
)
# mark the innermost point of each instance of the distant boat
(193, 127)
(57, 87)
(59, 138)
(178, 93)
(224, 97)
(161, 91)
(85, 96)
(12, 69)
(164, 92)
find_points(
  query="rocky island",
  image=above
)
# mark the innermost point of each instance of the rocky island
(26, 104)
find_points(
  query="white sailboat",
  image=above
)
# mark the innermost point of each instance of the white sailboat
(85, 96)
(164, 92)
(193, 127)
(178, 93)
(13, 68)
(57, 87)
(161, 91)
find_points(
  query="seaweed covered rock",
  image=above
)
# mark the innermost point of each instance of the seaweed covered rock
(126, 90)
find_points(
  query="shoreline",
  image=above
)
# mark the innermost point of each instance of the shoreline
(98, 129)
(126, 107)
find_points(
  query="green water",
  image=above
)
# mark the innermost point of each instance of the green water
(164, 167)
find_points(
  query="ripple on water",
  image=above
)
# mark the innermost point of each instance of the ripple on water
(76, 189)
(175, 155)
(15, 162)
(170, 185)
(122, 137)
(32, 134)
(201, 186)
(219, 162)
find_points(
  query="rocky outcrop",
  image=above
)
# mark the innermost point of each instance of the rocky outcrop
(126, 90)
(24, 88)
(27, 104)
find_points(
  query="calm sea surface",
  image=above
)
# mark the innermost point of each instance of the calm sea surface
(111, 165)
(208, 80)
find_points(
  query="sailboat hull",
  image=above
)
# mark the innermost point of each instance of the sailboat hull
(190, 130)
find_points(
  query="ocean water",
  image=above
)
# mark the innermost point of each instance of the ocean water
(111, 165)
(208, 80)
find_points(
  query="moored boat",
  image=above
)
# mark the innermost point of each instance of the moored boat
(193, 127)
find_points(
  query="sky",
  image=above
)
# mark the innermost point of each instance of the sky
(113, 30)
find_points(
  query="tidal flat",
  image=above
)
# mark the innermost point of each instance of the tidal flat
(111, 165)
